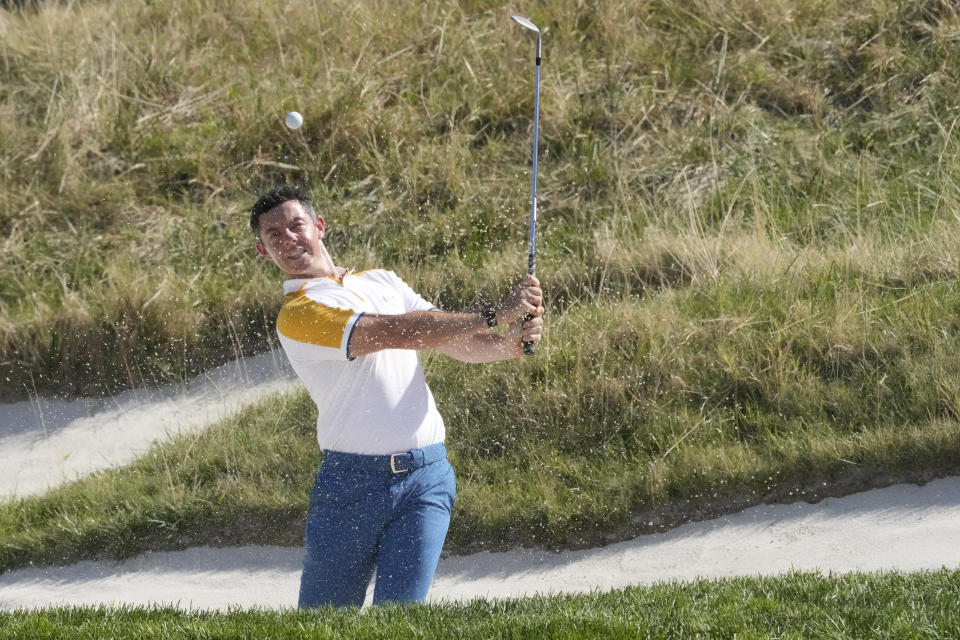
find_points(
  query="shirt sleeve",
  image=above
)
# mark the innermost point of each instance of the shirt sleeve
(318, 329)
(412, 301)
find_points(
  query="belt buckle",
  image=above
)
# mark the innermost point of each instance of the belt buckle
(393, 463)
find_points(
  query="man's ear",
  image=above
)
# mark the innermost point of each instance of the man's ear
(263, 251)
(320, 226)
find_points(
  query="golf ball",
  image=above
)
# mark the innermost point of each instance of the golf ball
(293, 120)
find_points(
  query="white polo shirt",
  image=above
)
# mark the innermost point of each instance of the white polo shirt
(377, 403)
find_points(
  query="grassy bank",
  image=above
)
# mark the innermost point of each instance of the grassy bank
(135, 134)
(792, 606)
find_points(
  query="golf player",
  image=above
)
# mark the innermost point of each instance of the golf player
(384, 492)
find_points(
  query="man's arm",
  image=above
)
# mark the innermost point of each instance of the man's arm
(438, 329)
(413, 330)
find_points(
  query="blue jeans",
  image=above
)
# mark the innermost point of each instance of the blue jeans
(388, 513)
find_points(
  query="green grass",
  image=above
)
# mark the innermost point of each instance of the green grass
(795, 605)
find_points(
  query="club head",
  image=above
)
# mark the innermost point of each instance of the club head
(526, 24)
(523, 22)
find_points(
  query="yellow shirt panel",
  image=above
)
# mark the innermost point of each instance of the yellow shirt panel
(306, 321)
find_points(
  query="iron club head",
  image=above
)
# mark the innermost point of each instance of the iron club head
(526, 24)
(523, 22)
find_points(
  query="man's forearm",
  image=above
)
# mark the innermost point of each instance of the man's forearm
(484, 347)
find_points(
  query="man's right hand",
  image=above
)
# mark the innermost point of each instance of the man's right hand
(525, 300)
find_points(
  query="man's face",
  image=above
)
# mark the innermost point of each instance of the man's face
(292, 240)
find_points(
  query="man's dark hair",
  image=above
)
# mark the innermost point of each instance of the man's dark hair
(276, 197)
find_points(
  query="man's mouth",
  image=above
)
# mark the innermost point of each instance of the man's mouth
(296, 253)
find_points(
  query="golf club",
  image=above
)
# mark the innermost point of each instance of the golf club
(528, 348)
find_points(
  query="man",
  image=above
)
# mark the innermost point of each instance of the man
(384, 492)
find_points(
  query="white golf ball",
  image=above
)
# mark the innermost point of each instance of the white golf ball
(293, 120)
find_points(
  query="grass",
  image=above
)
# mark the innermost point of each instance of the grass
(796, 605)
(749, 230)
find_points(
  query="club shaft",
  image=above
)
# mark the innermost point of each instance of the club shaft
(528, 347)
(532, 260)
